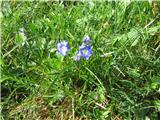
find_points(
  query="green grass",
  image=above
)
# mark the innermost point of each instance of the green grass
(120, 81)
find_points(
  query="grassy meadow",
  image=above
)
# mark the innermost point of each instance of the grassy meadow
(119, 81)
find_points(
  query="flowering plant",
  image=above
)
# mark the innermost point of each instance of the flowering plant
(85, 50)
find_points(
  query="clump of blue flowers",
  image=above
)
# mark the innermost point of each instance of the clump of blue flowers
(85, 50)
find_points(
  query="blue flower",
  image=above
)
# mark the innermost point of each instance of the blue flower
(63, 47)
(86, 39)
(85, 51)
(78, 56)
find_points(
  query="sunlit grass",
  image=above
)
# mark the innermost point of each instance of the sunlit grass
(119, 81)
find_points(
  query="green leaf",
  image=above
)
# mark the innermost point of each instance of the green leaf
(157, 104)
(134, 73)
(155, 81)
